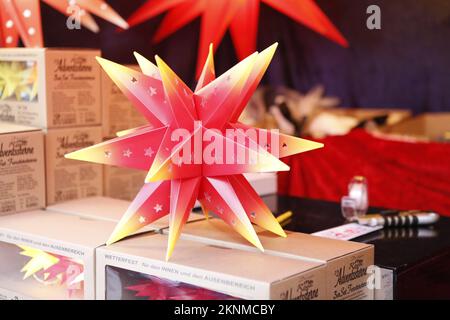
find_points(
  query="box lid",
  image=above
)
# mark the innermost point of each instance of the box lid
(212, 258)
(296, 245)
(108, 209)
(58, 227)
(8, 127)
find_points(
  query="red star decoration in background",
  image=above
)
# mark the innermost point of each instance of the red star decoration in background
(239, 16)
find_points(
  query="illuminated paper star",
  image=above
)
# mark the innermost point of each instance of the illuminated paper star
(239, 16)
(23, 18)
(53, 268)
(201, 128)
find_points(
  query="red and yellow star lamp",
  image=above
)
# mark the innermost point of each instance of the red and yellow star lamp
(186, 130)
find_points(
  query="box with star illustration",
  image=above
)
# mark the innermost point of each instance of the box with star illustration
(136, 268)
(347, 262)
(68, 179)
(50, 88)
(22, 166)
(49, 255)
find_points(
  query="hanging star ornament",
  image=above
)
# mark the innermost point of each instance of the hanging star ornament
(51, 268)
(200, 149)
(239, 16)
(22, 18)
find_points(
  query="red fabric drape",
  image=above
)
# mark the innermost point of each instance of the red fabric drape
(402, 175)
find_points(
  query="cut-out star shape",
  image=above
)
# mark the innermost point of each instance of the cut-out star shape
(22, 18)
(218, 185)
(239, 16)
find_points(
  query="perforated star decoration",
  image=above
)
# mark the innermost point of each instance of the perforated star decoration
(157, 289)
(52, 268)
(23, 18)
(201, 151)
(239, 16)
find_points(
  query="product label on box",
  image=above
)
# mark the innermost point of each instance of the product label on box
(73, 88)
(348, 277)
(71, 179)
(304, 287)
(22, 182)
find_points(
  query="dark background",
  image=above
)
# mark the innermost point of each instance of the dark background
(406, 64)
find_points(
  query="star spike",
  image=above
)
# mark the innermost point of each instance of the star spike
(256, 209)
(179, 96)
(118, 152)
(225, 204)
(183, 194)
(148, 68)
(151, 196)
(278, 144)
(214, 100)
(208, 74)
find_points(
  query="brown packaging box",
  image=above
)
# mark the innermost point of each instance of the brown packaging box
(22, 178)
(50, 88)
(118, 113)
(425, 127)
(346, 261)
(71, 179)
(232, 272)
(122, 183)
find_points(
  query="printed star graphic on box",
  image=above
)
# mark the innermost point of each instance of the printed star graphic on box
(173, 190)
(239, 16)
(23, 18)
(53, 268)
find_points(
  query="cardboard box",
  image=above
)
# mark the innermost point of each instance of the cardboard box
(198, 270)
(50, 88)
(118, 113)
(426, 127)
(122, 183)
(67, 243)
(22, 177)
(71, 179)
(346, 261)
(108, 209)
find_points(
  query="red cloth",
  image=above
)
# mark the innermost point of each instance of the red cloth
(401, 175)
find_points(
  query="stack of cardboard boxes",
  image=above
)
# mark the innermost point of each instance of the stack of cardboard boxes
(58, 91)
(210, 261)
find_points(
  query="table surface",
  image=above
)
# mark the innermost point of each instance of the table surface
(395, 249)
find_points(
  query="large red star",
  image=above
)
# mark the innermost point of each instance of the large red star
(239, 16)
(188, 151)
